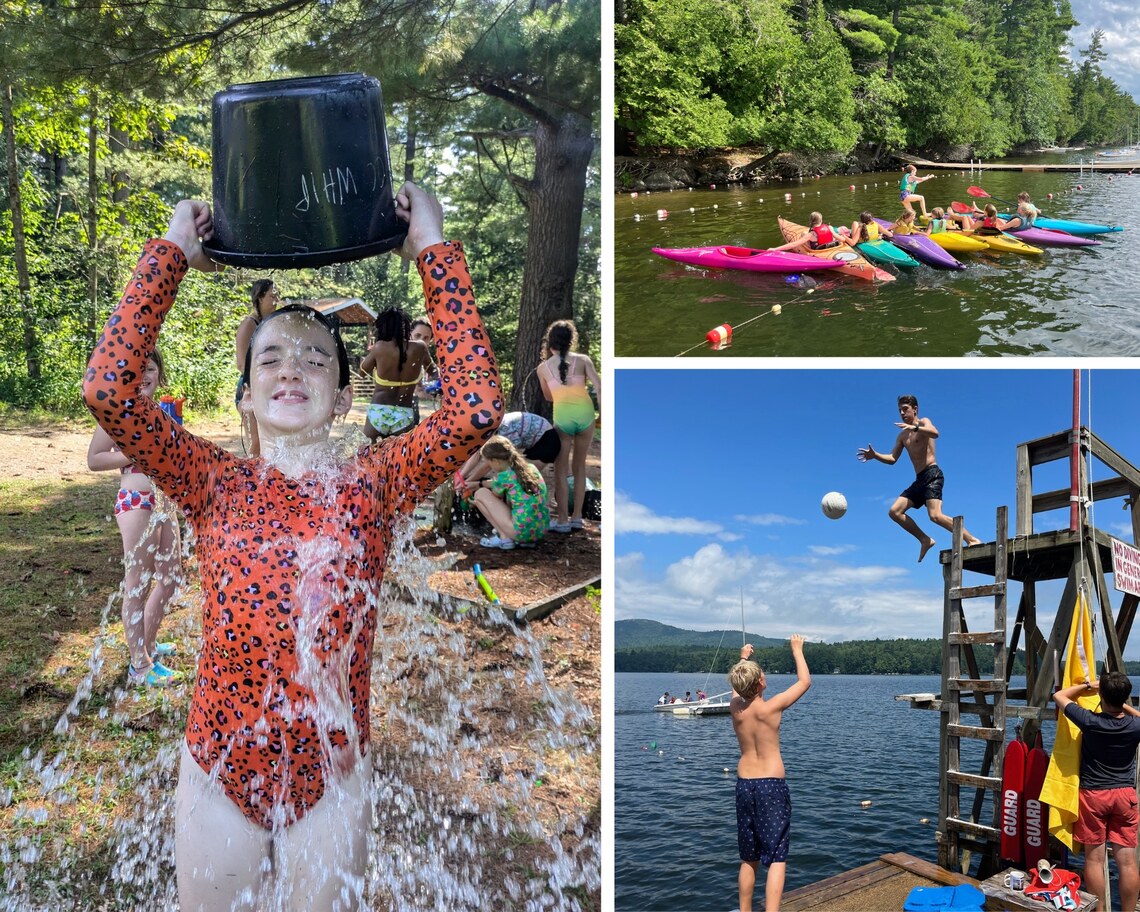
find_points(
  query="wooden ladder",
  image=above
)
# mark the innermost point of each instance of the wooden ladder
(963, 835)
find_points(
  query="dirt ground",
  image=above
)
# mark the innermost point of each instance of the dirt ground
(45, 476)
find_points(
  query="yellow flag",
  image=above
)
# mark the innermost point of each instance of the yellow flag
(1063, 779)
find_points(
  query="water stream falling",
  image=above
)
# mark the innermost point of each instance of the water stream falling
(459, 762)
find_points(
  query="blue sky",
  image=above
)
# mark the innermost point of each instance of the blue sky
(719, 476)
(1120, 20)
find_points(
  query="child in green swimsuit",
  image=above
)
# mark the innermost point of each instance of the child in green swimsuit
(512, 497)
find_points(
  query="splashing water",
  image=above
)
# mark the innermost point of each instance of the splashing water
(458, 819)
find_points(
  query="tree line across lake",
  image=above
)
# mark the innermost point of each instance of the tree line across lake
(856, 657)
(833, 75)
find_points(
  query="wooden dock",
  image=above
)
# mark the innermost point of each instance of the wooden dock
(885, 884)
(1096, 166)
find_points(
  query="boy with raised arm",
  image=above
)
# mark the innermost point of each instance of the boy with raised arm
(917, 438)
(763, 803)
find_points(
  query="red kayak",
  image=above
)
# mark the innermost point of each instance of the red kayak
(745, 258)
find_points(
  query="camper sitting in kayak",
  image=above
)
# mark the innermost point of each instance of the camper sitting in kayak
(948, 220)
(818, 236)
(905, 224)
(867, 230)
(990, 223)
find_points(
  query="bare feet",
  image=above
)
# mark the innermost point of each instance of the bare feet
(926, 546)
(970, 540)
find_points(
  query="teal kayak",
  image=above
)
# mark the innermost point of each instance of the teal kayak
(885, 253)
(1078, 228)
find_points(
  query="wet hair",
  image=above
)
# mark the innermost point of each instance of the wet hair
(815, 218)
(257, 292)
(156, 357)
(744, 677)
(393, 325)
(866, 217)
(1023, 197)
(908, 400)
(938, 212)
(991, 210)
(1115, 688)
(562, 337)
(307, 313)
(499, 447)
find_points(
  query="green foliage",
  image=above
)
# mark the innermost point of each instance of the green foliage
(921, 74)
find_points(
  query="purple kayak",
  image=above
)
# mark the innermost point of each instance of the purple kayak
(746, 258)
(1051, 237)
(922, 248)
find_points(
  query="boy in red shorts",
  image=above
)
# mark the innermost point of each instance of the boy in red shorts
(763, 804)
(1108, 810)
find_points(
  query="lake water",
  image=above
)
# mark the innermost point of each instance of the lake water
(1063, 302)
(846, 741)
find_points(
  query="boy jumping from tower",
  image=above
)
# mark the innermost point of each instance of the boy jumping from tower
(917, 438)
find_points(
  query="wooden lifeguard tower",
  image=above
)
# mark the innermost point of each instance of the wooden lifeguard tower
(975, 707)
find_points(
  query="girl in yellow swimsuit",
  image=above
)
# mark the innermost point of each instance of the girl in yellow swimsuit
(396, 363)
(563, 376)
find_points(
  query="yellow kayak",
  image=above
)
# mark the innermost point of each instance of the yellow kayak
(958, 241)
(1006, 243)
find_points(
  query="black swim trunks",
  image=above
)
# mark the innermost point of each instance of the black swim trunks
(763, 819)
(927, 486)
(546, 448)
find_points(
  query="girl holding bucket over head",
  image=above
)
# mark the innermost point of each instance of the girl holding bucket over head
(563, 376)
(151, 548)
(272, 786)
(512, 497)
(264, 298)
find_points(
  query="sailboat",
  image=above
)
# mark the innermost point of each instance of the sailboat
(716, 705)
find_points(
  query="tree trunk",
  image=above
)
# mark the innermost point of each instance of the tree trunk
(92, 218)
(27, 315)
(554, 207)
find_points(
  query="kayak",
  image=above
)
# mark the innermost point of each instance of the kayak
(850, 262)
(922, 248)
(958, 241)
(745, 258)
(885, 253)
(1006, 243)
(1078, 228)
(1051, 237)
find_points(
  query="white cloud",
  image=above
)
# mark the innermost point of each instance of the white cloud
(769, 519)
(631, 516)
(831, 550)
(815, 595)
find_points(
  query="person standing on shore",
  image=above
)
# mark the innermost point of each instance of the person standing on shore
(763, 802)
(917, 438)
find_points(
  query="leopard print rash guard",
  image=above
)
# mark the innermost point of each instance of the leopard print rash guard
(285, 561)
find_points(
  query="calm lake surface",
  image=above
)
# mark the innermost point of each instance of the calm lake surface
(1064, 302)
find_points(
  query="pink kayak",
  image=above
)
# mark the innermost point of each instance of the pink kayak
(745, 258)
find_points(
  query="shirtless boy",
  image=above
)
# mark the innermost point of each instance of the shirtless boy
(763, 803)
(917, 438)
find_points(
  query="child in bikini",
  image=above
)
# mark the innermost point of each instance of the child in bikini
(563, 376)
(397, 364)
(512, 497)
(151, 548)
(275, 765)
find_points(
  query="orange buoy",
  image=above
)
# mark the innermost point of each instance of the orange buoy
(720, 335)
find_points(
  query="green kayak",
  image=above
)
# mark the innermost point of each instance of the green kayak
(885, 253)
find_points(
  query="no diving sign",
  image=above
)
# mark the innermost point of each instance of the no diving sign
(1125, 567)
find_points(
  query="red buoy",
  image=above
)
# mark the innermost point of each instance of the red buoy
(720, 335)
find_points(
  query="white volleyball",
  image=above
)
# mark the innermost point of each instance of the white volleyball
(834, 505)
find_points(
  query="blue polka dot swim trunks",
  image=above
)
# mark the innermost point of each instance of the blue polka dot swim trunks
(763, 819)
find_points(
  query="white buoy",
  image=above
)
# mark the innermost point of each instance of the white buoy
(864, 804)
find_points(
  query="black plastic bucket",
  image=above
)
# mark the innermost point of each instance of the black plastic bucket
(301, 173)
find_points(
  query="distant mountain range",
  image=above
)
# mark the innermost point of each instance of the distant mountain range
(640, 634)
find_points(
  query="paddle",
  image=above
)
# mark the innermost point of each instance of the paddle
(979, 192)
